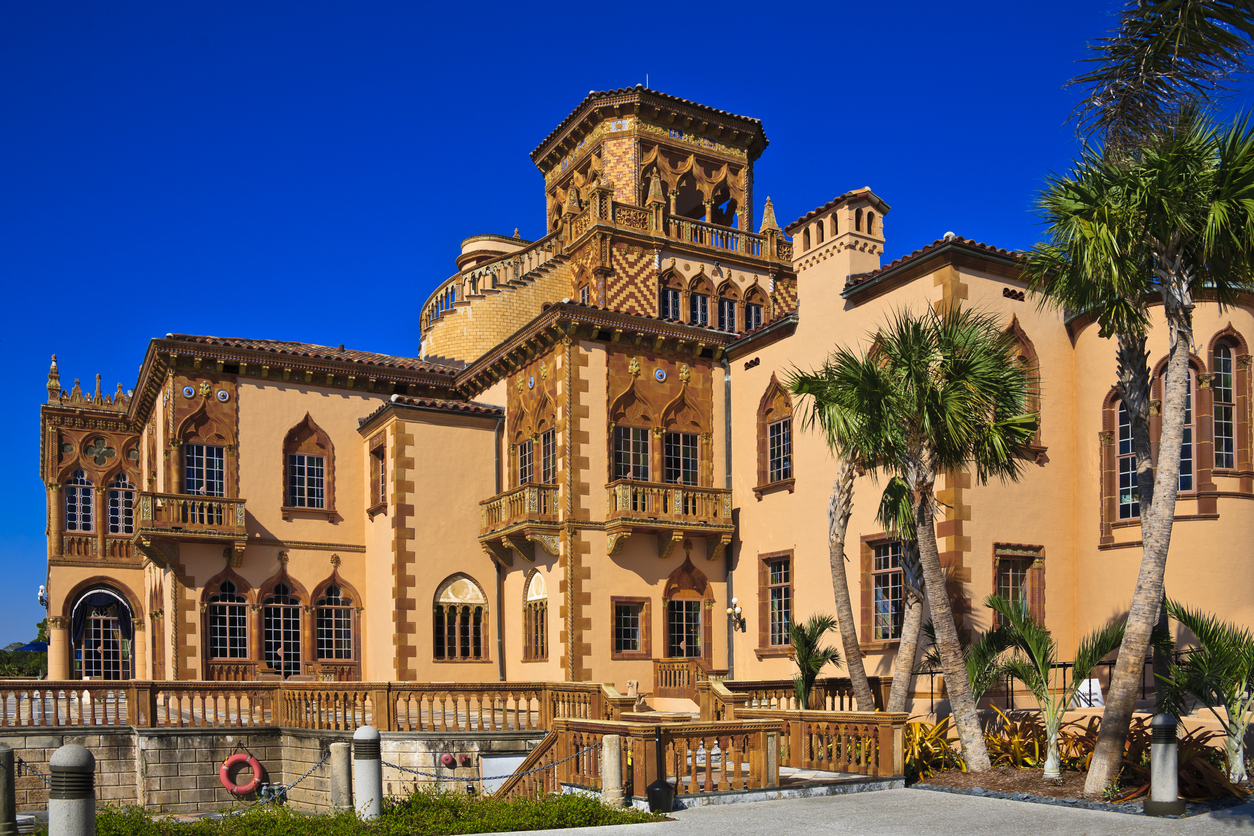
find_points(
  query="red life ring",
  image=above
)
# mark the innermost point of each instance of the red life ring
(233, 761)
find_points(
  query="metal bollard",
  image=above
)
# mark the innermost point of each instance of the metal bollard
(1164, 797)
(341, 777)
(72, 793)
(8, 795)
(367, 772)
(612, 770)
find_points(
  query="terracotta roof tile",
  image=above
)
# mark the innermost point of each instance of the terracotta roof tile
(857, 279)
(594, 95)
(320, 352)
(441, 404)
(837, 199)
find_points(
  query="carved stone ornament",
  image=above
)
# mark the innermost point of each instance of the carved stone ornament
(283, 558)
(614, 542)
(335, 560)
(684, 373)
(1107, 437)
(205, 387)
(633, 368)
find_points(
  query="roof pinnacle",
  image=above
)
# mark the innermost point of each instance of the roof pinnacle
(768, 218)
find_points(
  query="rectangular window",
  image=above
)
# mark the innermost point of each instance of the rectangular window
(378, 477)
(1129, 500)
(683, 629)
(668, 304)
(699, 309)
(525, 471)
(305, 481)
(1225, 425)
(727, 315)
(753, 317)
(681, 458)
(1012, 582)
(779, 450)
(121, 511)
(887, 584)
(548, 457)
(627, 626)
(779, 588)
(228, 631)
(335, 633)
(584, 295)
(204, 470)
(631, 453)
(1186, 446)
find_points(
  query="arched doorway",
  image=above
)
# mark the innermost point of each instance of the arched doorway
(101, 630)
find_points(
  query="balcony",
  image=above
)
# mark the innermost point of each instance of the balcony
(517, 519)
(191, 519)
(672, 512)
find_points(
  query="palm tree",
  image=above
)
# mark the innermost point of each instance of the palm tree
(822, 407)
(1219, 672)
(940, 392)
(809, 656)
(982, 657)
(896, 515)
(1032, 662)
(1175, 224)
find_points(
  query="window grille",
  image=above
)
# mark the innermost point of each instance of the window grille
(1129, 499)
(78, 502)
(228, 623)
(681, 458)
(525, 471)
(683, 629)
(887, 583)
(627, 628)
(779, 587)
(1225, 409)
(281, 631)
(306, 484)
(335, 624)
(779, 450)
(548, 457)
(121, 506)
(631, 453)
(204, 470)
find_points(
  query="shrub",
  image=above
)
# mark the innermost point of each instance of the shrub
(930, 749)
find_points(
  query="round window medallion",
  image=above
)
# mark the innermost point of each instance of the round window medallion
(223, 396)
(531, 382)
(189, 392)
(660, 374)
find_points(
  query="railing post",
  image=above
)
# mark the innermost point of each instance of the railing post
(8, 794)
(770, 758)
(368, 772)
(612, 770)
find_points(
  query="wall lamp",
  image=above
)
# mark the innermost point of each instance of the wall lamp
(733, 615)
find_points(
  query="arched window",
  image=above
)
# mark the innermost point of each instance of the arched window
(335, 624)
(309, 461)
(1186, 445)
(857, 221)
(687, 616)
(536, 619)
(228, 623)
(774, 437)
(281, 631)
(805, 240)
(669, 297)
(79, 494)
(461, 615)
(870, 223)
(835, 228)
(1129, 501)
(818, 228)
(101, 629)
(1225, 409)
(121, 505)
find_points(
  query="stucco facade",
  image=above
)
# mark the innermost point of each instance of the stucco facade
(594, 453)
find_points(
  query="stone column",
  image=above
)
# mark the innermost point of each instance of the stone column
(139, 650)
(58, 648)
(612, 770)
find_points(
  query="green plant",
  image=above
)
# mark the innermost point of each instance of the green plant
(981, 657)
(809, 655)
(1034, 654)
(928, 749)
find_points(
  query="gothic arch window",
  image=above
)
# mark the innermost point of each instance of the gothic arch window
(686, 598)
(681, 438)
(79, 501)
(775, 462)
(334, 628)
(101, 632)
(228, 622)
(755, 306)
(204, 462)
(308, 468)
(281, 630)
(121, 505)
(460, 621)
(631, 419)
(728, 298)
(535, 618)
(1025, 354)
(699, 301)
(670, 296)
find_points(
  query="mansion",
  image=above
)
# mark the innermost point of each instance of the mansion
(593, 471)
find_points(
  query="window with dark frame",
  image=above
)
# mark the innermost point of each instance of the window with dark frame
(335, 624)
(779, 590)
(204, 470)
(280, 646)
(681, 458)
(525, 471)
(121, 505)
(886, 580)
(727, 315)
(1186, 445)
(228, 623)
(699, 309)
(585, 295)
(1225, 409)
(306, 485)
(79, 493)
(378, 477)
(753, 316)
(779, 450)
(631, 453)
(548, 457)
(627, 638)
(1129, 499)
(683, 628)
(668, 303)
(1012, 583)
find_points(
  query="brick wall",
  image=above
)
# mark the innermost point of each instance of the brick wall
(115, 764)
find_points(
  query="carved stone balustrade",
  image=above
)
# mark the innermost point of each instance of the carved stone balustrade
(518, 519)
(191, 519)
(672, 512)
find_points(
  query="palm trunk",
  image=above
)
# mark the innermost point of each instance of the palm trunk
(954, 667)
(907, 648)
(1156, 520)
(838, 524)
(1053, 719)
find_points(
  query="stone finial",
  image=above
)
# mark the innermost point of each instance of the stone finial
(54, 381)
(516, 235)
(99, 398)
(655, 191)
(768, 218)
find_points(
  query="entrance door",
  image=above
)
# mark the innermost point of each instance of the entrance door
(683, 628)
(102, 652)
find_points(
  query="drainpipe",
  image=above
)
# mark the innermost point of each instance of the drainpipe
(727, 553)
(500, 572)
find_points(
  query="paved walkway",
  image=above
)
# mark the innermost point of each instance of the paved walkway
(911, 812)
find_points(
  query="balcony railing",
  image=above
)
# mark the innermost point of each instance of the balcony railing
(715, 237)
(626, 499)
(189, 516)
(532, 502)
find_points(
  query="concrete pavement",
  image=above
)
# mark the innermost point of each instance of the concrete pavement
(909, 812)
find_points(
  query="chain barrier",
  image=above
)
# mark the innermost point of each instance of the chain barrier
(470, 780)
(278, 792)
(24, 767)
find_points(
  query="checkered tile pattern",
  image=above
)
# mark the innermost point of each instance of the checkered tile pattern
(633, 287)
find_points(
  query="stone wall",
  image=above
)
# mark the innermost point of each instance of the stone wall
(116, 772)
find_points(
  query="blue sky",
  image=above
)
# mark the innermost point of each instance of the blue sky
(306, 170)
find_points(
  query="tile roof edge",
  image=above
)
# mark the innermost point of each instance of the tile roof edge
(858, 281)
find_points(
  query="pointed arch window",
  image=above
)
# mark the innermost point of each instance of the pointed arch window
(1129, 499)
(460, 621)
(309, 468)
(121, 505)
(281, 646)
(536, 619)
(1225, 409)
(228, 623)
(204, 470)
(774, 440)
(79, 496)
(335, 624)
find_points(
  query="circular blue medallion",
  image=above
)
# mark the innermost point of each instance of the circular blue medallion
(531, 382)
(660, 374)
(189, 392)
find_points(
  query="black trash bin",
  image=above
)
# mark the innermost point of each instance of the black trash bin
(661, 794)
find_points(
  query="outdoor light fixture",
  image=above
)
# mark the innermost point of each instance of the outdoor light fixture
(733, 615)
